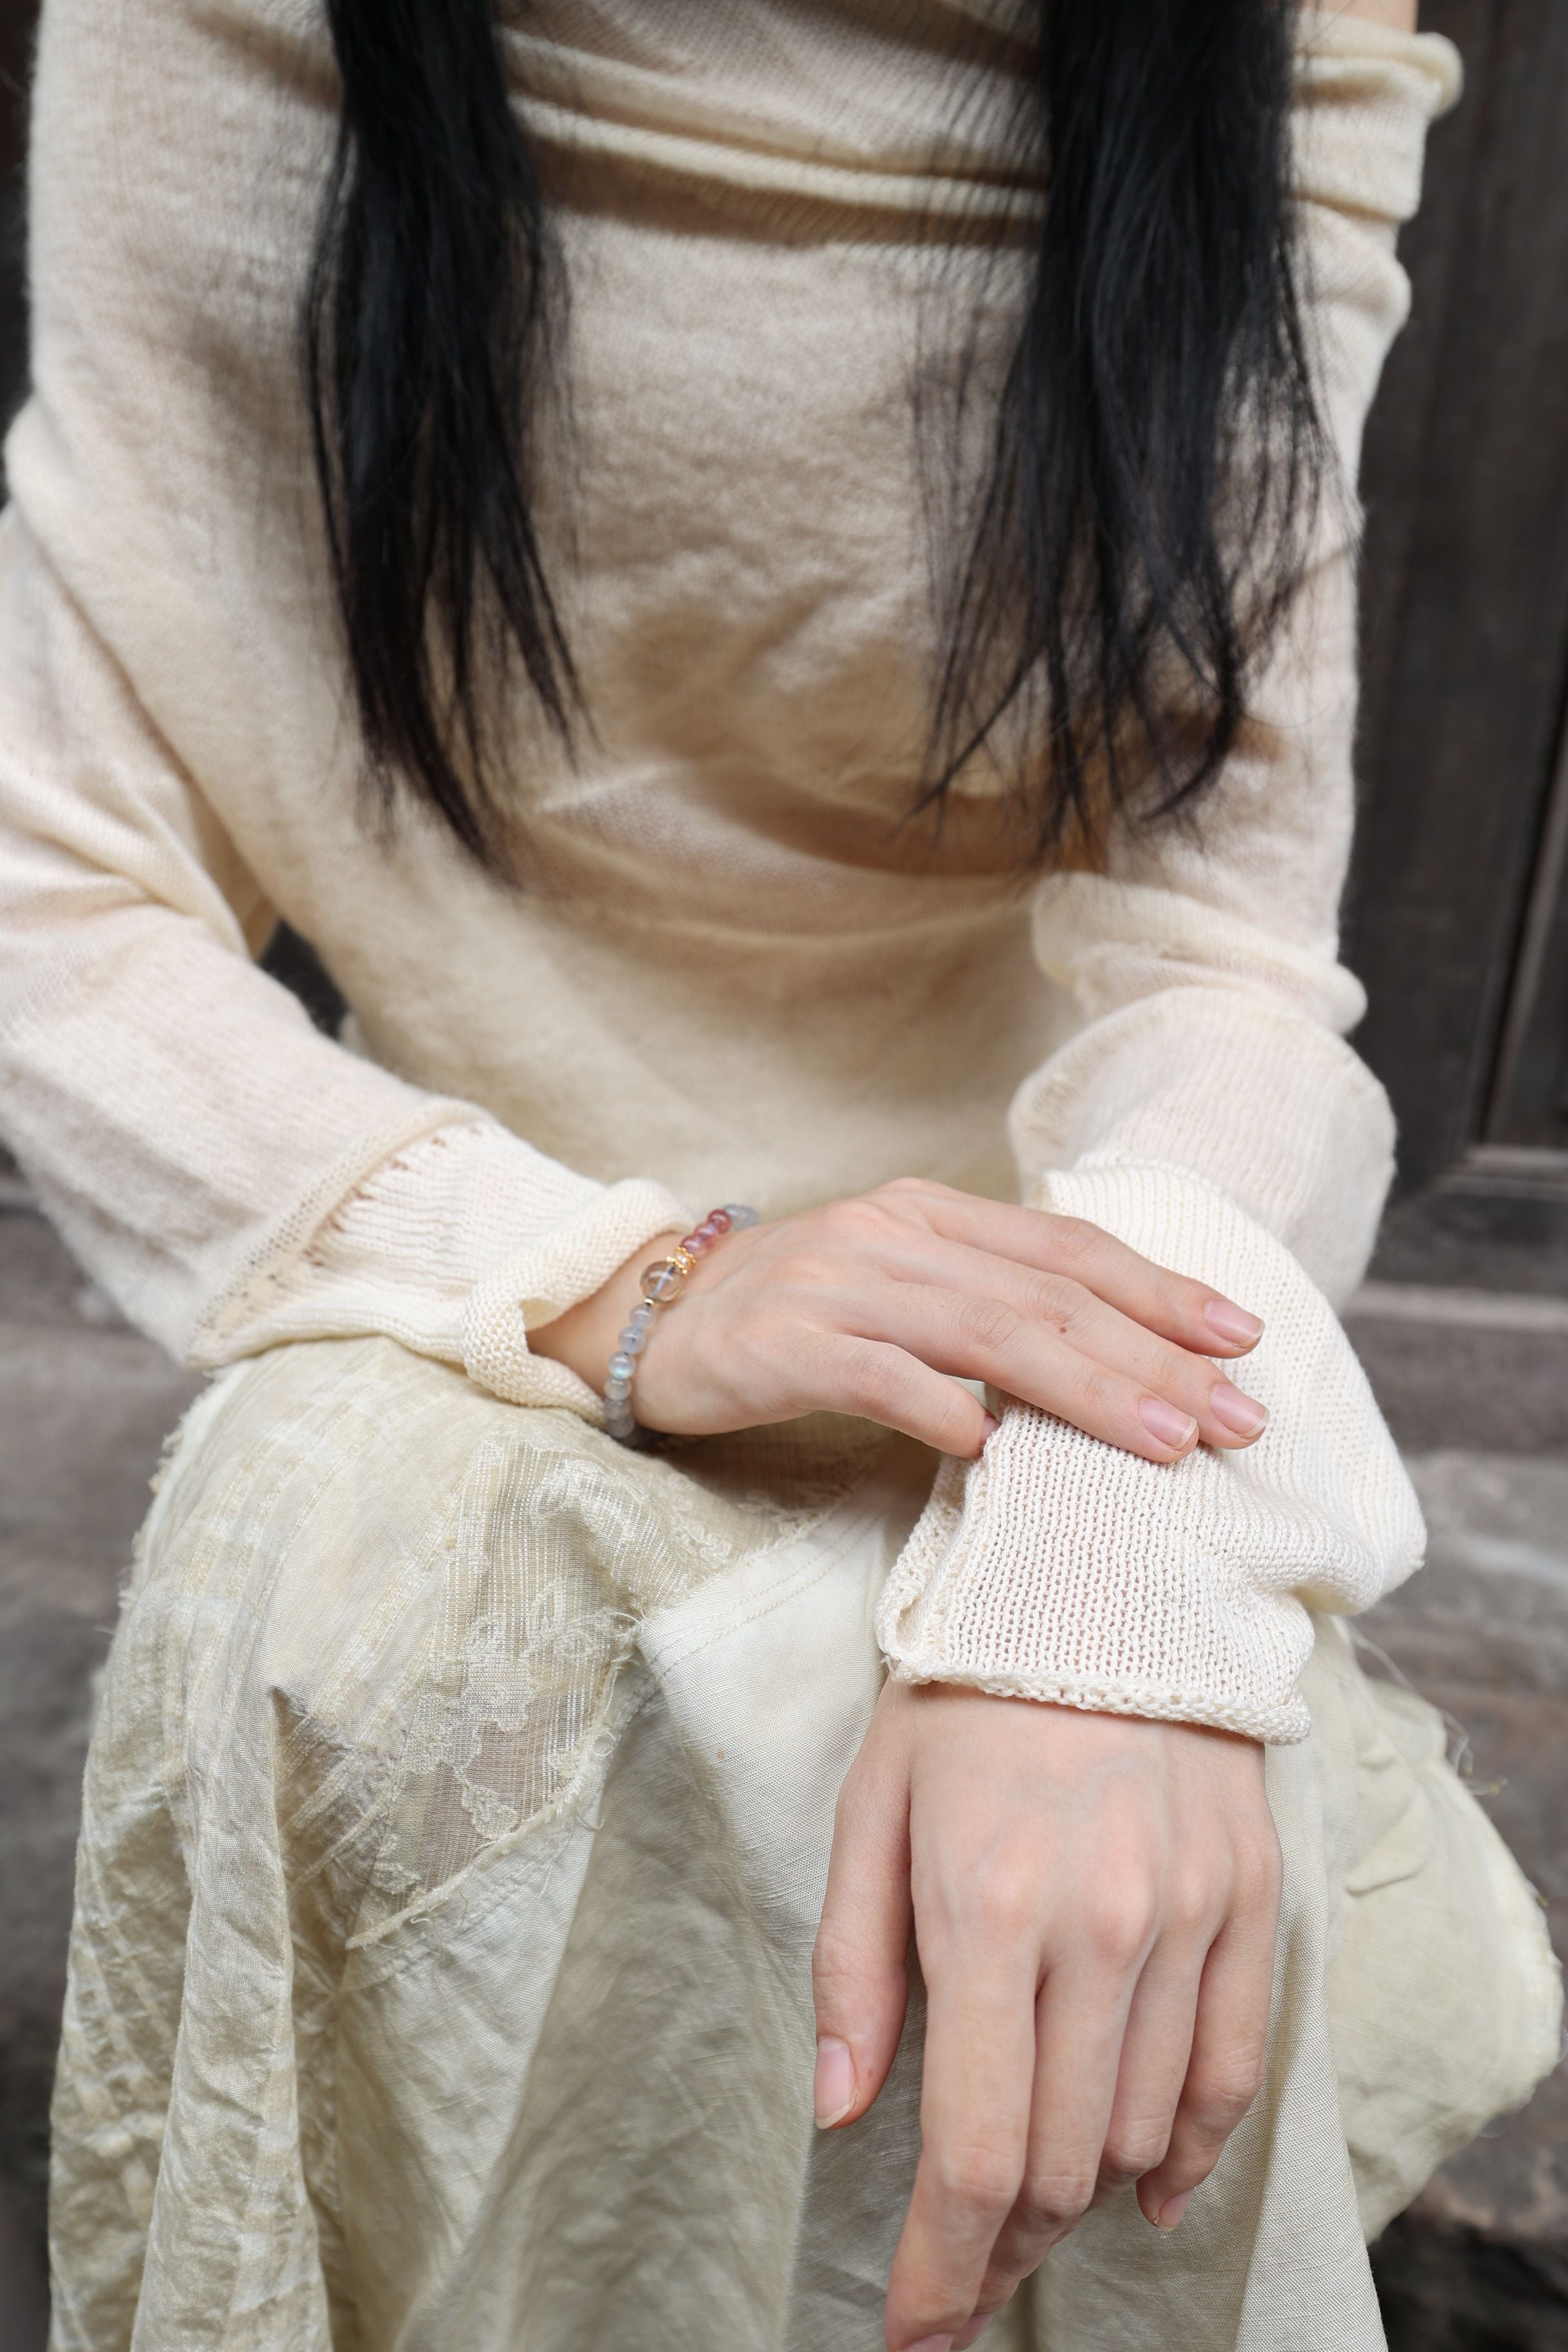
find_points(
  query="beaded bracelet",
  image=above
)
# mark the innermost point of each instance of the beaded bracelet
(662, 1284)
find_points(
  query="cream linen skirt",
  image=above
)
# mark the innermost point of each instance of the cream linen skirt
(457, 1822)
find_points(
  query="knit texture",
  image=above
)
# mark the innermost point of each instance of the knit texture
(490, 1239)
(534, 1285)
(735, 969)
(455, 1832)
(1167, 1589)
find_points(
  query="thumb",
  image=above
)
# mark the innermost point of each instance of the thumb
(859, 1967)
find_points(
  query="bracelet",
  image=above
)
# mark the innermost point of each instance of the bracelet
(662, 1284)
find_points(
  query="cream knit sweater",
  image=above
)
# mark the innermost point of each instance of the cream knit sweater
(732, 974)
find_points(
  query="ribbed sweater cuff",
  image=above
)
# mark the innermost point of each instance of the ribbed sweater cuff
(455, 1246)
(536, 1284)
(1060, 1567)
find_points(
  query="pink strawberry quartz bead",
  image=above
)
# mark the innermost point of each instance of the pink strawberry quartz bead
(714, 1226)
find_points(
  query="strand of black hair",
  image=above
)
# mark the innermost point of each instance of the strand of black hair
(432, 306)
(1154, 457)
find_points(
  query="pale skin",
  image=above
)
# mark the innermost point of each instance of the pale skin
(1093, 1898)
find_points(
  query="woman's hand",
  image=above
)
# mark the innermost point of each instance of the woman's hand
(1094, 1901)
(872, 1306)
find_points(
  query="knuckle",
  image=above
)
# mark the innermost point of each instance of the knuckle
(803, 1296)
(1053, 1299)
(854, 1225)
(1052, 2201)
(1135, 2149)
(1219, 2101)
(1002, 1902)
(1074, 1243)
(1191, 1904)
(1119, 1924)
(903, 1189)
(979, 2182)
(952, 1424)
(810, 1269)
(872, 1383)
(989, 1324)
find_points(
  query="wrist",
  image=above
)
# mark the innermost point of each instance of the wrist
(585, 1338)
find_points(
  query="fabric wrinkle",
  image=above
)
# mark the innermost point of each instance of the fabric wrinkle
(561, 2096)
(457, 1806)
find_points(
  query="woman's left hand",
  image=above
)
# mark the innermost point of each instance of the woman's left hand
(1094, 1901)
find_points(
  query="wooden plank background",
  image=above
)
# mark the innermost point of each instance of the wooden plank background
(1456, 912)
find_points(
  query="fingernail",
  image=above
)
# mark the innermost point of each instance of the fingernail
(1234, 1411)
(1232, 1323)
(992, 1425)
(1162, 1421)
(1172, 2210)
(833, 2091)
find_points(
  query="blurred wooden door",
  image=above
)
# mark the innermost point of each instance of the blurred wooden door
(1458, 909)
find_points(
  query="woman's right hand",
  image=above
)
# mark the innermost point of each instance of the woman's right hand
(1094, 1900)
(880, 1305)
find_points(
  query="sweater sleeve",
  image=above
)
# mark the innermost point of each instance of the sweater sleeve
(232, 1177)
(1209, 1112)
(229, 1175)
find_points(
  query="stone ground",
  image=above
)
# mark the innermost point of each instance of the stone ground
(1478, 1394)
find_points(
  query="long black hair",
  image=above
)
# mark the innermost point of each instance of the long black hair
(1152, 459)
